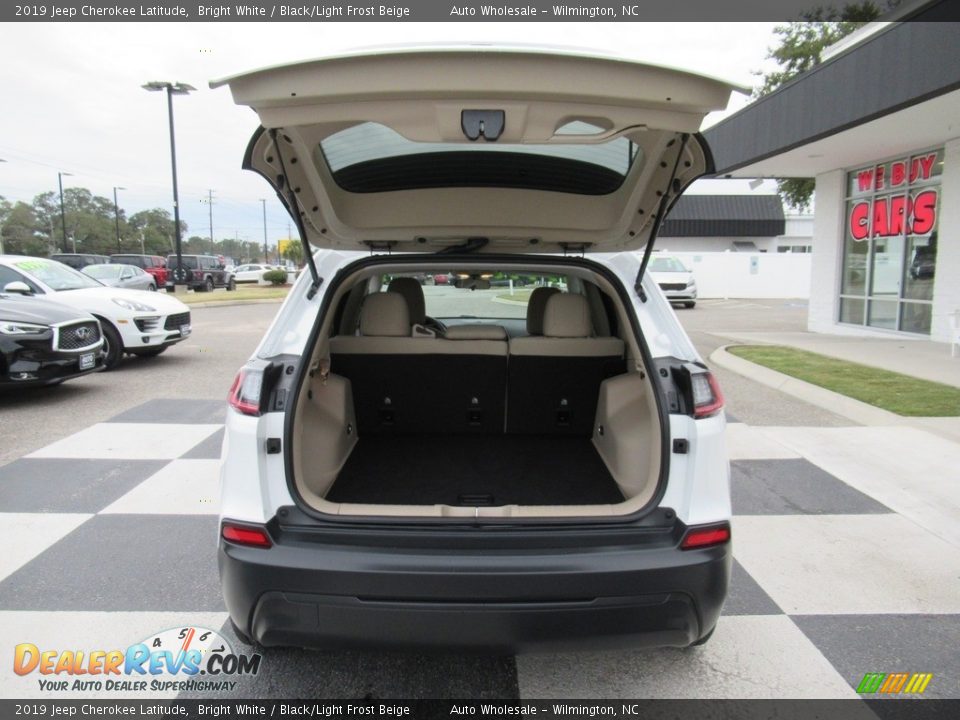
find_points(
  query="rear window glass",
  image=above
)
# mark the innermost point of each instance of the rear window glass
(505, 299)
(188, 261)
(137, 260)
(371, 157)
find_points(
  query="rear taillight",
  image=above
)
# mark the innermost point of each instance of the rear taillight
(246, 535)
(197, 275)
(246, 391)
(703, 537)
(707, 398)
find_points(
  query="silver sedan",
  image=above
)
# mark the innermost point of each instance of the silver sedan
(124, 276)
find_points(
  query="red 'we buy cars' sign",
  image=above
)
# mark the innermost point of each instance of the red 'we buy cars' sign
(893, 215)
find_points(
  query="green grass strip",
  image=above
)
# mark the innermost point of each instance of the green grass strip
(241, 294)
(900, 394)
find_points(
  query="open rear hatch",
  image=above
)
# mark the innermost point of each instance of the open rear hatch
(518, 150)
(470, 153)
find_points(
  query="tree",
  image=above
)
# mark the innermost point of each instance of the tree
(21, 230)
(801, 44)
(291, 250)
(157, 229)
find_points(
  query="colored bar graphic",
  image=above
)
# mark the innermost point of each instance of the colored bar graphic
(871, 683)
(893, 683)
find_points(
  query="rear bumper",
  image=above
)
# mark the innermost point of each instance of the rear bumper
(496, 601)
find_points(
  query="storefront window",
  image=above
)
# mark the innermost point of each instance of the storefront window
(890, 243)
(851, 310)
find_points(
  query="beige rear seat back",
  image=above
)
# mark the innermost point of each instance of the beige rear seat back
(412, 292)
(405, 384)
(554, 381)
(536, 306)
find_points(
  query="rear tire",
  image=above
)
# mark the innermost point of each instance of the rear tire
(152, 288)
(208, 285)
(113, 345)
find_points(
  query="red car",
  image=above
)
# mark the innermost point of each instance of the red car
(153, 264)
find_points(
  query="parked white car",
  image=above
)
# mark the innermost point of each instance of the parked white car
(454, 468)
(674, 278)
(133, 321)
(250, 273)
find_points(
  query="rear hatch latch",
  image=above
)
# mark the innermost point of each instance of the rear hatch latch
(487, 124)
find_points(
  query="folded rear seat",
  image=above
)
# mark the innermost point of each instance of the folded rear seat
(554, 380)
(414, 384)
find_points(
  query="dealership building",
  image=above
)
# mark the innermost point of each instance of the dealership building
(877, 123)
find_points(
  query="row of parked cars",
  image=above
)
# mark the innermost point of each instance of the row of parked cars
(201, 273)
(57, 322)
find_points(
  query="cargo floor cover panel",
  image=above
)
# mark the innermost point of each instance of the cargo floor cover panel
(502, 469)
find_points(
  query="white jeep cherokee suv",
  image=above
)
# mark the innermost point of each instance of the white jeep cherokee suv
(530, 457)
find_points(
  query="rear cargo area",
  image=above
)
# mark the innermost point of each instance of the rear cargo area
(472, 421)
(470, 470)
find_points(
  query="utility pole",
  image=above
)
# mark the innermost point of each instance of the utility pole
(266, 258)
(116, 214)
(210, 204)
(63, 213)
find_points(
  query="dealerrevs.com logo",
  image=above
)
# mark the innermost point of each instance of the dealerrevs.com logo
(178, 659)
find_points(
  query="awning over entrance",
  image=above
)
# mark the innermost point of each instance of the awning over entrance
(896, 91)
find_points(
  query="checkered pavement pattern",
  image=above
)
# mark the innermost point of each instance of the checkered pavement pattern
(846, 562)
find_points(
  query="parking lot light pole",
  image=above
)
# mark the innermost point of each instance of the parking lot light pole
(173, 89)
(63, 213)
(116, 214)
(266, 258)
(1, 234)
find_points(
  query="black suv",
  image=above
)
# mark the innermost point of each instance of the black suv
(78, 261)
(202, 273)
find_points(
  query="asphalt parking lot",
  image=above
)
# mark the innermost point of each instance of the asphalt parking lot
(108, 486)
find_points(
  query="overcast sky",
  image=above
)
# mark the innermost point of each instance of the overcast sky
(72, 99)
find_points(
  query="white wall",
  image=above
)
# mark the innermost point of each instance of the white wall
(706, 244)
(749, 275)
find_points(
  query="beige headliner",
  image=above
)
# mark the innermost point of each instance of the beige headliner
(421, 94)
